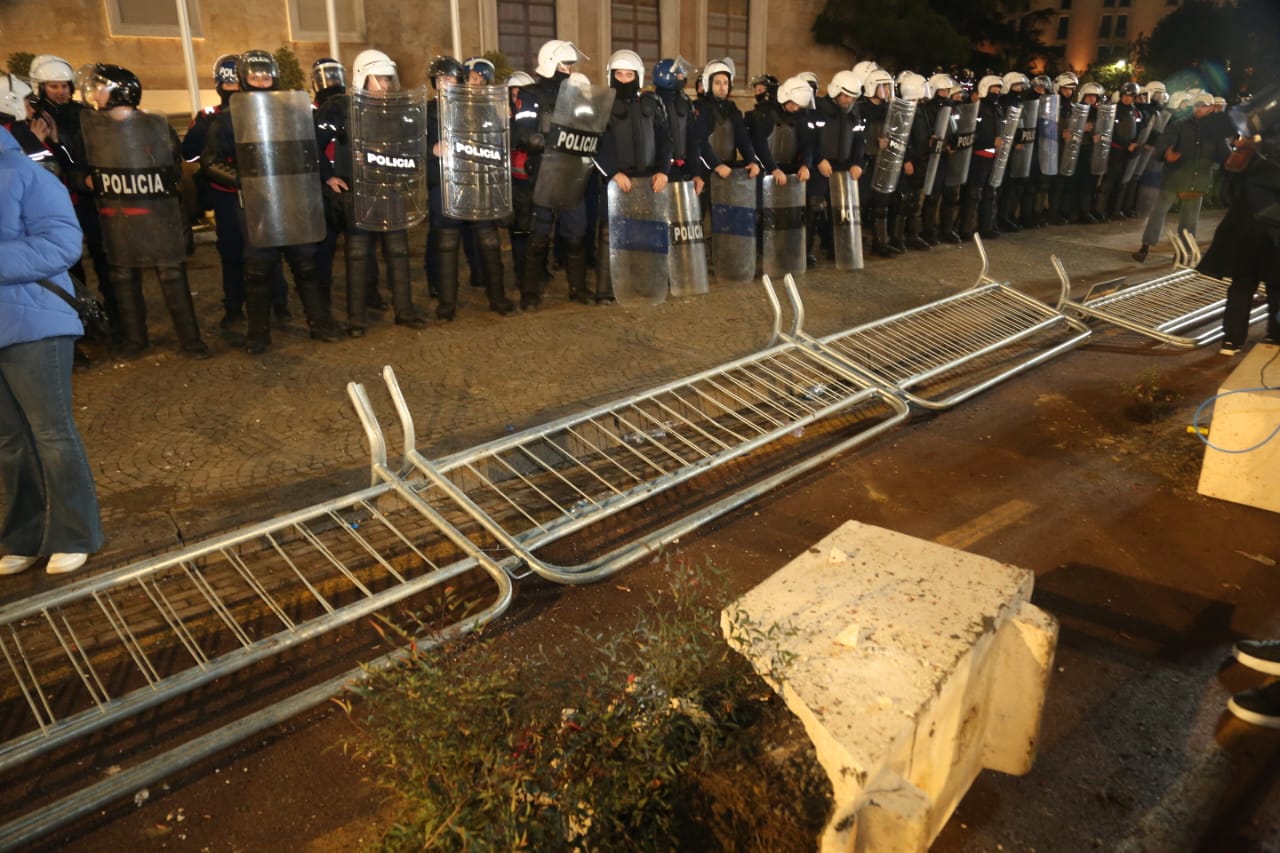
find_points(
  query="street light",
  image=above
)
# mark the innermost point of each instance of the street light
(1120, 64)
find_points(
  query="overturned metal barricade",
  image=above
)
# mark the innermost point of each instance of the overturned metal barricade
(92, 658)
(944, 352)
(1182, 308)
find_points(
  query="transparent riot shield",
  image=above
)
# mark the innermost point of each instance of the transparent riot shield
(733, 226)
(1104, 129)
(687, 258)
(639, 240)
(941, 130)
(1047, 134)
(1075, 130)
(889, 161)
(1024, 148)
(782, 226)
(846, 220)
(1151, 130)
(962, 146)
(1008, 129)
(475, 153)
(580, 116)
(279, 168)
(135, 183)
(389, 159)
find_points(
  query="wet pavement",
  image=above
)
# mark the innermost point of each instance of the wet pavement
(1050, 471)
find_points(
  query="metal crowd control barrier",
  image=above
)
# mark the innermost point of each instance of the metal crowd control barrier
(945, 352)
(1182, 308)
(99, 653)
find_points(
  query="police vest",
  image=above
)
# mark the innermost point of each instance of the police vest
(679, 108)
(782, 139)
(835, 133)
(632, 128)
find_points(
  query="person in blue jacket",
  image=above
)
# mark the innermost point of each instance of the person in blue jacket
(52, 504)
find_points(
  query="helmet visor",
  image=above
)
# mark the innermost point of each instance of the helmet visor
(328, 75)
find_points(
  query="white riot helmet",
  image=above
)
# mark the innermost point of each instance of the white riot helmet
(876, 78)
(519, 78)
(47, 68)
(985, 84)
(373, 63)
(717, 66)
(554, 52)
(844, 83)
(863, 68)
(913, 87)
(13, 95)
(1094, 89)
(810, 78)
(796, 90)
(1013, 78)
(938, 82)
(626, 60)
(1065, 80)
(1157, 92)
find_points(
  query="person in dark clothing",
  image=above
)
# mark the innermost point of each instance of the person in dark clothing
(938, 196)
(839, 145)
(669, 80)
(977, 199)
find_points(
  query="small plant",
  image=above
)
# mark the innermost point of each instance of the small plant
(291, 76)
(20, 63)
(488, 750)
(1151, 400)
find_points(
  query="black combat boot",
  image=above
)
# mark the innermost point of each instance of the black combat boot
(489, 248)
(131, 310)
(259, 274)
(534, 279)
(177, 298)
(314, 304)
(401, 282)
(359, 245)
(575, 269)
(449, 241)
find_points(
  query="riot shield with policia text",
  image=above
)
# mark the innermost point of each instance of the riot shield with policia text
(1008, 129)
(782, 219)
(277, 158)
(135, 187)
(1075, 139)
(941, 131)
(638, 240)
(389, 159)
(572, 134)
(733, 226)
(1151, 129)
(1024, 143)
(897, 127)
(1047, 134)
(475, 153)
(1104, 129)
(962, 145)
(687, 253)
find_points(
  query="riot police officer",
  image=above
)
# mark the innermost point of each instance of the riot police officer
(636, 144)
(257, 71)
(839, 145)
(669, 80)
(977, 199)
(141, 196)
(1062, 195)
(936, 195)
(521, 224)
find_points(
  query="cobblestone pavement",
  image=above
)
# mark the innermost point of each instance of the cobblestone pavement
(182, 449)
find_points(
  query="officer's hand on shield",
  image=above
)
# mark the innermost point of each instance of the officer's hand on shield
(658, 182)
(753, 169)
(337, 184)
(698, 184)
(779, 177)
(803, 174)
(623, 182)
(824, 168)
(723, 171)
(999, 142)
(908, 168)
(883, 141)
(1172, 156)
(855, 172)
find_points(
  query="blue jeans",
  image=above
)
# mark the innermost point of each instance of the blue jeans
(1188, 215)
(53, 508)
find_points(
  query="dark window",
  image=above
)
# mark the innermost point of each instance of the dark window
(1063, 25)
(727, 31)
(1104, 29)
(1124, 3)
(1064, 4)
(1122, 26)
(150, 18)
(523, 25)
(635, 27)
(1108, 3)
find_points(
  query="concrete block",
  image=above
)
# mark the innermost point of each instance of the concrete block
(913, 666)
(1243, 420)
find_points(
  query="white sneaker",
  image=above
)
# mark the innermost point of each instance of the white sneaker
(14, 563)
(60, 564)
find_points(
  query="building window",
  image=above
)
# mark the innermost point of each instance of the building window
(1122, 26)
(1064, 4)
(151, 18)
(1124, 3)
(307, 20)
(1063, 25)
(635, 27)
(727, 30)
(1104, 29)
(523, 26)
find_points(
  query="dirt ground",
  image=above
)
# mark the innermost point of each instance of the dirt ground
(1064, 471)
(1060, 472)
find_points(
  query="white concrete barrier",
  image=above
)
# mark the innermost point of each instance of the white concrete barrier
(1246, 417)
(912, 665)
